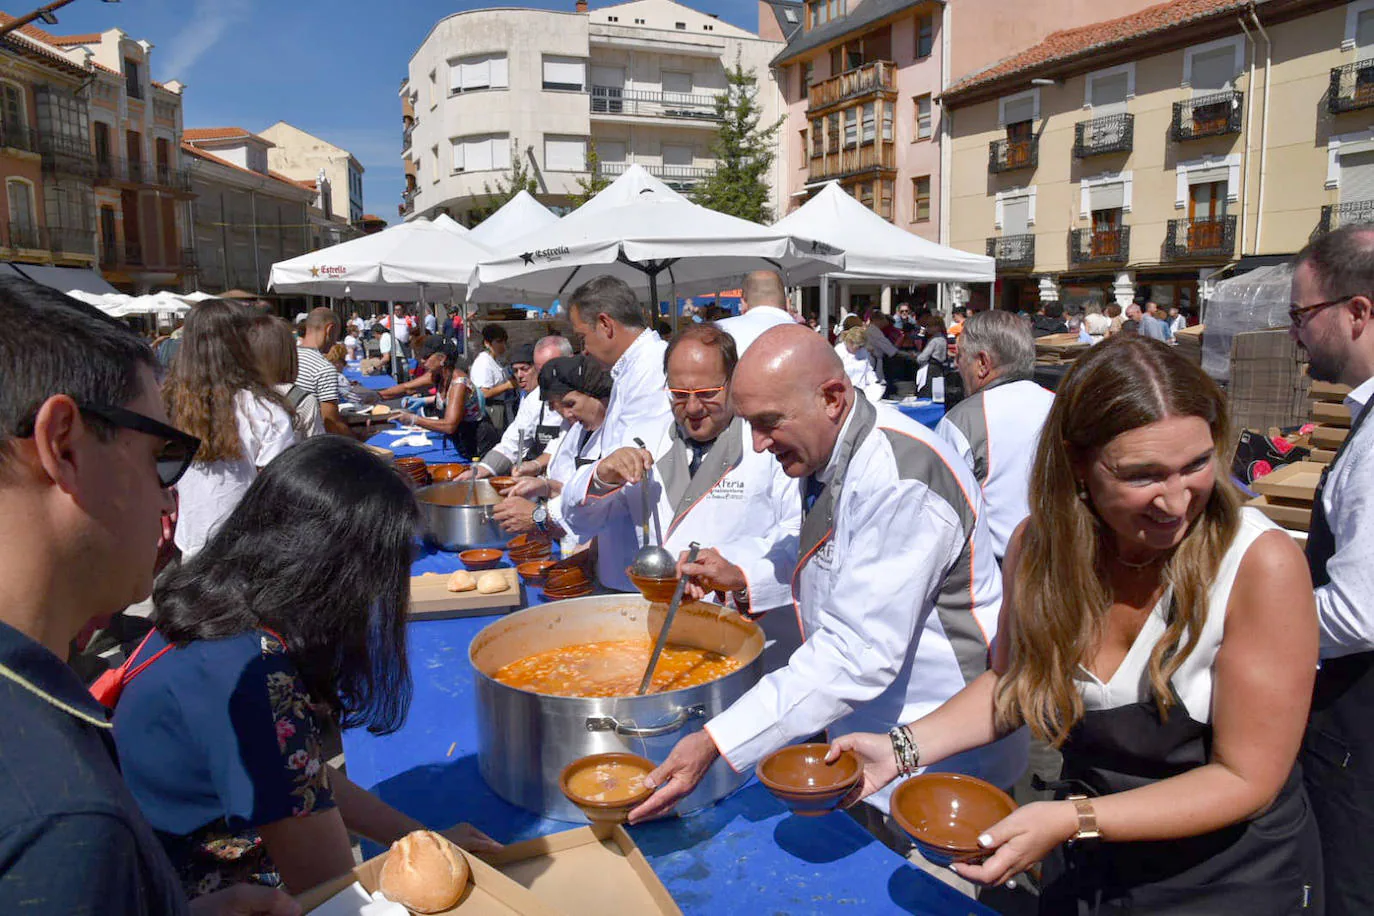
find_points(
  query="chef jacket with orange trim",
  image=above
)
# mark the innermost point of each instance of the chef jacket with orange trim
(897, 594)
(739, 501)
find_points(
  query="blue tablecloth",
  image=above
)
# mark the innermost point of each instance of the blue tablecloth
(440, 449)
(927, 413)
(744, 855)
(374, 382)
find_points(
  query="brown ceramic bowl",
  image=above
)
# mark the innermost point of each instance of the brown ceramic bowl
(559, 578)
(659, 591)
(799, 777)
(532, 572)
(533, 552)
(447, 471)
(944, 814)
(501, 484)
(480, 558)
(606, 798)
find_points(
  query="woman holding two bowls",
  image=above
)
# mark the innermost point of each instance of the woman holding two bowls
(1165, 639)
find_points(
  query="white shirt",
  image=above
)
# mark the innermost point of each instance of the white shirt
(384, 343)
(566, 452)
(533, 413)
(431, 323)
(749, 326)
(1345, 605)
(486, 372)
(402, 325)
(860, 371)
(639, 400)
(996, 431)
(898, 602)
(1097, 325)
(209, 491)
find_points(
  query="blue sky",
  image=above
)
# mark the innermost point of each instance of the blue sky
(331, 67)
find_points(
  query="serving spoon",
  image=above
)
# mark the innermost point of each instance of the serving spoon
(692, 549)
(652, 561)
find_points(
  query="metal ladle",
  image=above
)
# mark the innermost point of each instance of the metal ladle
(692, 549)
(652, 561)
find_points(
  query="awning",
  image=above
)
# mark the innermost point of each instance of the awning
(66, 279)
(7, 270)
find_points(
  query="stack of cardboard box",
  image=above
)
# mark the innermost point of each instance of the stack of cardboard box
(1332, 417)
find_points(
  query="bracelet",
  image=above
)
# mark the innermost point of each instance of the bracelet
(596, 478)
(1087, 819)
(904, 749)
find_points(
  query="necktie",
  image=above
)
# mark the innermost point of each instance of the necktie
(699, 450)
(813, 493)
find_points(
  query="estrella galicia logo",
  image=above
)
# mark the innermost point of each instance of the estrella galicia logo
(545, 254)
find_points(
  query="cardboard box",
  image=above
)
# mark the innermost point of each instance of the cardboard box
(1295, 517)
(1330, 414)
(590, 871)
(1329, 437)
(1323, 455)
(489, 892)
(1291, 484)
(430, 597)
(1328, 391)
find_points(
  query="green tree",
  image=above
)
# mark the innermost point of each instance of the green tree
(743, 150)
(594, 183)
(519, 178)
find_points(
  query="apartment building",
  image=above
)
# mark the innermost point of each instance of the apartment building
(1147, 156)
(636, 82)
(305, 157)
(246, 216)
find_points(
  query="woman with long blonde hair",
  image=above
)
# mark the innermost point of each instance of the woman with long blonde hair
(213, 388)
(1164, 639)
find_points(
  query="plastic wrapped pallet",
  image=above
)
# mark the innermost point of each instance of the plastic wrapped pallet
(1268, 385)
(1253, 301)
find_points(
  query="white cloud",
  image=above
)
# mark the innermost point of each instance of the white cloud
(209, 20)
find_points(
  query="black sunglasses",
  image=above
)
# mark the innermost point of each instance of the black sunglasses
(178, 449)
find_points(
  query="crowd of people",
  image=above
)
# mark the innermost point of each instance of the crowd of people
(1060, 585)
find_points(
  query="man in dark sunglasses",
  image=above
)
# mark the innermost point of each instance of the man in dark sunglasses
(87, 460)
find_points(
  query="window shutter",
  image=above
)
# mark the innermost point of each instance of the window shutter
(1019, 110)
(565, 154)
(1109, 93)
(457, 146)
(1213, 70)
(565, 72)
(498, 71)
(610, 150)
(1107, 196)
(477, 154)
(1357, 176)
(677, 155)
(500, 151)
(1015, 216)
(677, 81)
(1207, 176)
(1364, 31)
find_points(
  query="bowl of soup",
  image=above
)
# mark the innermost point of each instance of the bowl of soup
(606, 787)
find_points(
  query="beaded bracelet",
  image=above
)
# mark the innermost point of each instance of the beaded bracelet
(906, 752)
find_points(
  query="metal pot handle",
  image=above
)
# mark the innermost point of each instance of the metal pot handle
(611, 724)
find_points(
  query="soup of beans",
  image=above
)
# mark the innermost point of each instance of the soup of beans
(607, 782)
(614, 669)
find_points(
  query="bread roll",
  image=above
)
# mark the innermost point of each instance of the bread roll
(424, 872)
(461, 581)
(379, 410)
(489, 583)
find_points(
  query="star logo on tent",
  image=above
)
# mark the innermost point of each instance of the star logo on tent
(314, 271)
(528, 257)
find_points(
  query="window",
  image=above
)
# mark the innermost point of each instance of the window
(612, 18)
(433, 88)
(1212, 67)
(13, 110)
(870, 126)
(681, 156)
(851, 128)
(481, 153)
(610, 150)
(1108, 191)
(102, 142)
(920, 199)
(1015, 109)
(885, 198)
(680, 26)
(565, 74)
(133, 85)
(865, 194)
(922, 117)
(1107, 90)
(639, 22)
(801, 140)
(1359, 29)
(817, 138)
(709, 28)
(434, 167)
(1206, 200)
(565, 154)
(820, 12)
(481, 71)
(677, 82)
(1357, 176)
(888, 112)
(832, 132)
(23, 226)
(925, 35)
(807, 72)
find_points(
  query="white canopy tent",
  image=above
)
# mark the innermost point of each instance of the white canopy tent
(120, 305)
(887, 254)
(639, 229)
(520, 215)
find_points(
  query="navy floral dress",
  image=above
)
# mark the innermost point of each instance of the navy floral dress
(216, 739)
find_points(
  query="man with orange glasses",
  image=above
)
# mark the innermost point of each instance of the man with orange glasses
(706, 484)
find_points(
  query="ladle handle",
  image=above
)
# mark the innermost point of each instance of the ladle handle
(692, 549)
(644, 493)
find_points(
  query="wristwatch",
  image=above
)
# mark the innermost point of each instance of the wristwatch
(1087, 820)
(540, 515)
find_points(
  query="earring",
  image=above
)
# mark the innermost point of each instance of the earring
(1082, 492)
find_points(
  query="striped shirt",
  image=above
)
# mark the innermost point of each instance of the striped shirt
(316, 374)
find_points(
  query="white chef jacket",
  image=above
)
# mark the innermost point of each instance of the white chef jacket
(898, 597)
(1345, 605)
(860, 371)
(747, 327)
(567, 453)
(996, 431)
(740, 502)
(639, 400)
(531, 415)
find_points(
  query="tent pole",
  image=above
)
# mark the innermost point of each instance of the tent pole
(653, 297)
(391, 323)
(825, 307)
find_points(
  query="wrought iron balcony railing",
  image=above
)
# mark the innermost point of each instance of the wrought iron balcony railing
(1352, 87)
(1213, 115)
(644, 103)
(1008, 155)
(406, 133)
(1334, 216)
(876, 78)
(67, 155)
(17, 136)
(1013, 251)
(1109, 134)
(1200, 238)
(1100, 246)
(675, 176)
(27, 235)
(70, 240)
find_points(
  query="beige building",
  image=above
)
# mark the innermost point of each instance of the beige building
(1147, 156)
(636, 82)
(336, 172)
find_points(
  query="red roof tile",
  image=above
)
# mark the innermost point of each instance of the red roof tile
(215, 133)
(211, 157)
(1071, 43)
(46, 37)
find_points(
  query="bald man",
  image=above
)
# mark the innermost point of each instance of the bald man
(896, 588)
(763, 305)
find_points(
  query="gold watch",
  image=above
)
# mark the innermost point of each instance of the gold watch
(1087, 820)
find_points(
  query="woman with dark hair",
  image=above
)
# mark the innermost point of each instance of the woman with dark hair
(460, 415)
(274, 349)
(213, 391)
(1161, 636)
(290, 622)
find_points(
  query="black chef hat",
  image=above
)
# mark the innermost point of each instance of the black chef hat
(524, 353)
(574, 373)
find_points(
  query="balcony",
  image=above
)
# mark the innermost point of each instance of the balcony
(63, 240)
(1110, 134)
(1214, 115)
(677, 177)
(1009, 155)
(1100, 246)
(17, 136)
(1200, 238)
(877, 78)
(67, 156)
(1335, 216)
(842, 163)
(407, 205)
(175, 178)
(1352, 87)
(643, 103)
(137, 173)
(26, 235)
(1013, 251)
(406, 133)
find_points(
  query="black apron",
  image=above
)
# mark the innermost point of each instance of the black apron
(1266, 866)
(579, 460)
(1338, 749)
(544, 433)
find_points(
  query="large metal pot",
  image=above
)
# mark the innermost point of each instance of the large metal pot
(455, 520)
(527, 738)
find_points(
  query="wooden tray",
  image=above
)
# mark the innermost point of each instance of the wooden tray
(1292, 483)
(430, 597)
(1328, 437)
(590, 871)
(1330, 414)
(1288, 516)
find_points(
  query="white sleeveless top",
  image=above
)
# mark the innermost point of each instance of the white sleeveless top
(1193, 680)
